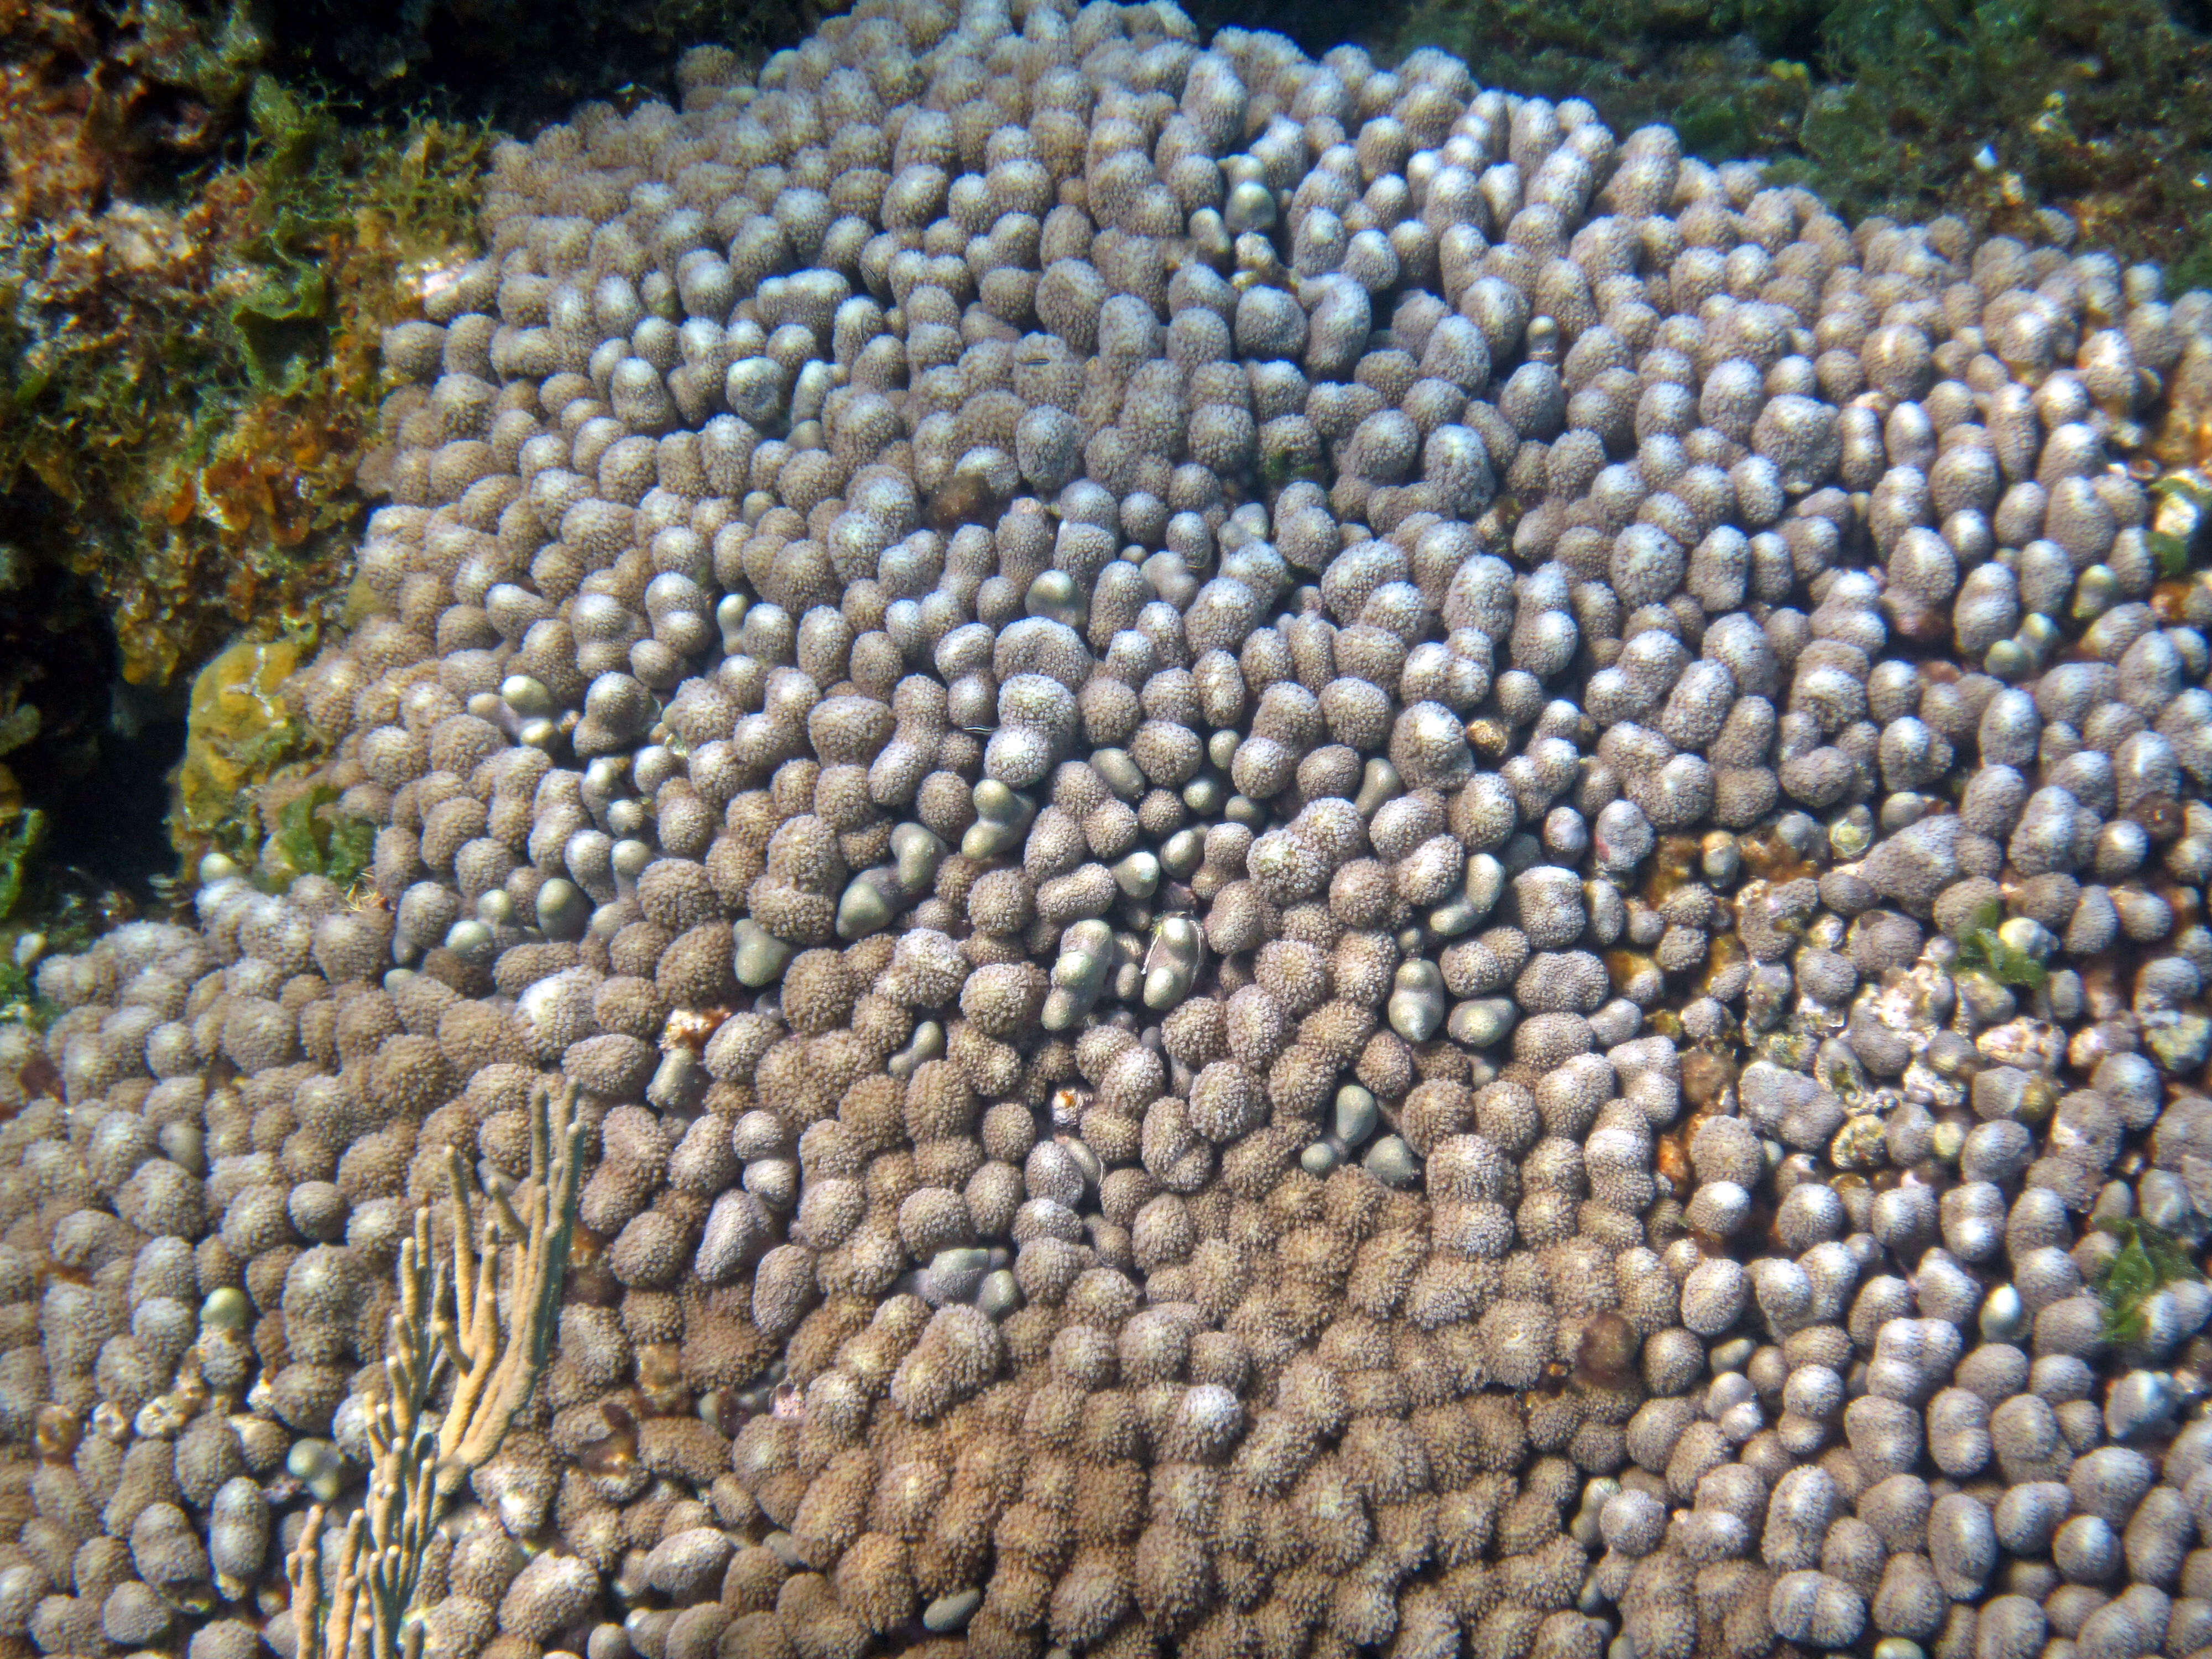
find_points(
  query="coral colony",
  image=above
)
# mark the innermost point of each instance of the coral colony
(1178, 852)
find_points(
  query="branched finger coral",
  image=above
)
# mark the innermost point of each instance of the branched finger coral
(364, 1609)
(497, 1335)
(419, 1455)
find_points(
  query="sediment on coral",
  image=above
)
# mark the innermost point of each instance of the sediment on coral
(1326, 865)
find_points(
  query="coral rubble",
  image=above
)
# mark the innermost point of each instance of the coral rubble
(1321, 865)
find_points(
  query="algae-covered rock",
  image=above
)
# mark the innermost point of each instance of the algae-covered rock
(239, 732)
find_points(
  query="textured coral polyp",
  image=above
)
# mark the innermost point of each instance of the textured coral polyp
(1328, 867)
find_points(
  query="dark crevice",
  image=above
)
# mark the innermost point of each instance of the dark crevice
(99, 764)
(520, 66)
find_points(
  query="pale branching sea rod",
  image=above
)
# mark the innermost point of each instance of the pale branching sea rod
(1178, 852)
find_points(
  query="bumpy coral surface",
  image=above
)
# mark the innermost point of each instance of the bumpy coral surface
(1333, 868)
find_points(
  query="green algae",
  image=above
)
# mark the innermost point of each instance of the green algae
(19, 842)
(2172, 551)
(70, 924)
(311, 837)
(1983, 949)
(2149, 1258)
